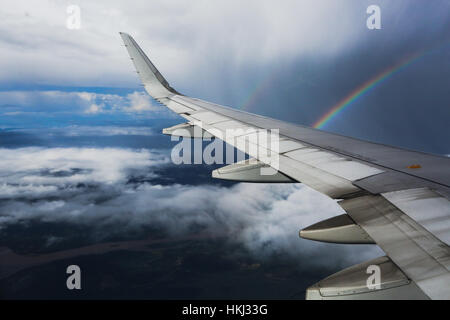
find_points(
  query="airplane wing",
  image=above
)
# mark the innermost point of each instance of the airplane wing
(395, 198)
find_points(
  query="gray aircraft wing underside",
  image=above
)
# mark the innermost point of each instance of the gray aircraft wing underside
(395, 198)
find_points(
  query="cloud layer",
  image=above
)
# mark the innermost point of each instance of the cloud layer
(95, 187)
(14, 103)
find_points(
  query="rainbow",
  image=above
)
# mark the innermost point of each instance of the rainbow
(364, 89)
(259, 88)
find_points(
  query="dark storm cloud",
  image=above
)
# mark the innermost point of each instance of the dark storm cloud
(409, 109)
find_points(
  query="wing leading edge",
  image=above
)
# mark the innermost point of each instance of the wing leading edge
(401, 206)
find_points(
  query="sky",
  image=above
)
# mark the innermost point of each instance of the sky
(292, 61)
(80, 140)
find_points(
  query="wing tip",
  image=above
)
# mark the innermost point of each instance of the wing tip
(124, 34)
(137, 53)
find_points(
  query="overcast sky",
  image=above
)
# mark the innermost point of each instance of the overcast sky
(309, 54)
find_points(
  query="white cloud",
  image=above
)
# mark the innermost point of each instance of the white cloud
(41, 167)
(82, 131)
(74, 131)
(141, 102)
(17, 102)
(8, 191)
(263, 217)
(94, 108)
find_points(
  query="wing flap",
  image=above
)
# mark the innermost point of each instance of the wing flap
(421, 256)
(250, 171)
(414, 202)
(334, 164)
